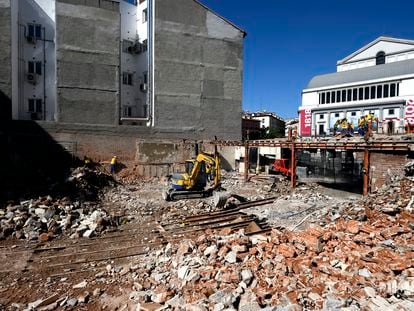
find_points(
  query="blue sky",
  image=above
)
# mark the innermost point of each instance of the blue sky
(288, 42)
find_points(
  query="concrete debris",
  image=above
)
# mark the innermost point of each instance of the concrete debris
(80, 285)
(359, 260)
(72, 302)
(349, 253)
(84, 298)
(46, 217)
(409, 169)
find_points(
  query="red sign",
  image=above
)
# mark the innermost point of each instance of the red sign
(306, 122)
(409, 113)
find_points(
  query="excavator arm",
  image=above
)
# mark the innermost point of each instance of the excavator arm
(211, 164)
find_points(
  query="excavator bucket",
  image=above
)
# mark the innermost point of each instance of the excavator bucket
(220, 199)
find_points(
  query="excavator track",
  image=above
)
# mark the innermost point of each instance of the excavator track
(175, 195)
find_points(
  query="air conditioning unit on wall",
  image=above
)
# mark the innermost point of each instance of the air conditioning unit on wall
(31, 39)
(31, 78)
(135, 49)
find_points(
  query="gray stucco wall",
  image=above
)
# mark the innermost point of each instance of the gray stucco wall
(5, 60)
(198, 71)
(87, 61)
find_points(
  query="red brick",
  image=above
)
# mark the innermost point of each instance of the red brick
(352, 226)
(286, 250)
(44, 237)
(400, 264)
(390, 231)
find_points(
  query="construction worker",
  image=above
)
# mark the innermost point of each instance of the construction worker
(87, 161)
(112, 166)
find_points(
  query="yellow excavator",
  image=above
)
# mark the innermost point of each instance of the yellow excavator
(201, 178)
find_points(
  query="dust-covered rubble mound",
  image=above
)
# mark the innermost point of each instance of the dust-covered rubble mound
(45, 217)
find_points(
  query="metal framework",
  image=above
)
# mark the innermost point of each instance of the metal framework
(364, 146)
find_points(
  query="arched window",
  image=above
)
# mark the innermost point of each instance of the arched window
(380, 58)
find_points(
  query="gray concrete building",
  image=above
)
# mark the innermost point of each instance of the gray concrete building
(145, 68)
(5, 60)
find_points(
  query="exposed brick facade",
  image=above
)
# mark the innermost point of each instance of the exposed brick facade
(385, 164)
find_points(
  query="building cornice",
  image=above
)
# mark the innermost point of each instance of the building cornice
(359, 83)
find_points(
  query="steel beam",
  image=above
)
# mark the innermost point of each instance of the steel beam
(293, 166)
(246, 162)
(365, 172)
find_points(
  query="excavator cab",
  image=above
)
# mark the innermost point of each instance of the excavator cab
(189, 165)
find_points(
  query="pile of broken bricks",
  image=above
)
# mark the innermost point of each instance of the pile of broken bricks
(362, 260)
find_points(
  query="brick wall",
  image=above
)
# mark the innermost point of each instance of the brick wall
(384, 165)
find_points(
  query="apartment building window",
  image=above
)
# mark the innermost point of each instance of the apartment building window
(349, 95)
(386, 89)
(391, 112)
(354, 94)
(372, 92)
(338, 96)
(321, 129)
(34, 67)
(127, 78)
(144, 16)
(366, 93)
(328, 98)
(344, 95)
(379, 91)
(336, 115)
(392, 90)
(35, 105)
(333, 97)
(353, 114)
(323, 98)
(34, 31)
(361, 93)
(380, 58)
(321, 116)
(127, 111)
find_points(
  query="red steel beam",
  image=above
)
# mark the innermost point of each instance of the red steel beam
(293, 167)
(365, 172)
(393, 146)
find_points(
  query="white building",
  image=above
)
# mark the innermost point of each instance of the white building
(268, 120)
(34, 59)
(378, 78)
(134, 59)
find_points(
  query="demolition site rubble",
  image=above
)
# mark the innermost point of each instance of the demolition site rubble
(362, 259)
(47, 217)
(324, 251)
